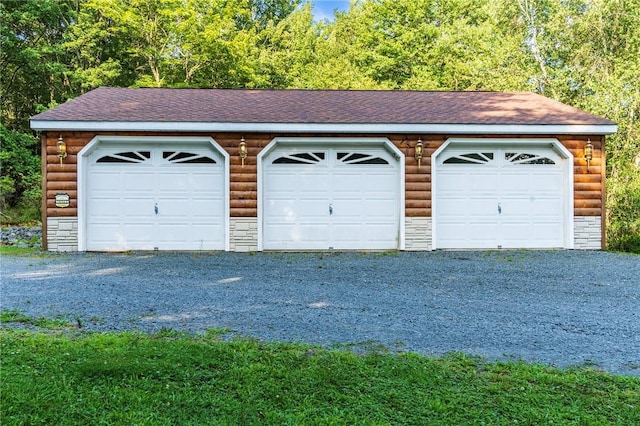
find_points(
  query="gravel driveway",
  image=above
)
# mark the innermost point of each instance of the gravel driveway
(558, 307)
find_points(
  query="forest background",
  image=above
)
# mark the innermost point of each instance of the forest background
(585, 53)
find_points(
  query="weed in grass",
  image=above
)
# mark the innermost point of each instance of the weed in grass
(7, 250)
(386, 253)
(217, 333)
(364, 347)
(9, 316)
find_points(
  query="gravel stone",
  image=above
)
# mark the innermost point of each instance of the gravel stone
(563, 308)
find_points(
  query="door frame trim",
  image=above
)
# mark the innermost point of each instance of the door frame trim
(553, 143)
(83, 173)
(333, 143)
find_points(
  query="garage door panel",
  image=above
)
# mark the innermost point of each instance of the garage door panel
(206, 183)
(178, 207)
(139, 182)
(536, 207)
(120, 240)
(482, 182)
(478, 206)
(292, 237)
(206, 208)
(467, 207)
(137, 207)
(290, 209)
(172, 231)
(105, 181)
(540, 234)
(380, 208)
(318, 181)
(108, 207)
(548, 182)
(547, 207)
(452, 207)
(136, 233)
(175, 182)
(373, 236)
(189, 237)
(347, 183)
(483, 235)
(513, 182)
(382, 183)
(189, 180)
(454, 183)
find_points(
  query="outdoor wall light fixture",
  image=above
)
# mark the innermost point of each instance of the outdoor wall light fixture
(588, 153)
(418, 153)
(242, 150)
(62, 149)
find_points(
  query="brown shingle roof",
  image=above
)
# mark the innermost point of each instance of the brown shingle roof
(317, 106)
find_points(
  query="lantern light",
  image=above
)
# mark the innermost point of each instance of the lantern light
(418, 152)
(588, 153)
(242, 150)
(61, 149)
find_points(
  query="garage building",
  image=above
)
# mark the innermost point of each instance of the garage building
(251, 170)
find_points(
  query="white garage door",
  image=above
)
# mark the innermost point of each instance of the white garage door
(155, 197)
(319, 199)
(500, 198)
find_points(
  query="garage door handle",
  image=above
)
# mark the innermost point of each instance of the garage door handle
(330, 209)
(155, 208)
(499, 209)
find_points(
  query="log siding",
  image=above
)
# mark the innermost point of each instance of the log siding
(588, 185)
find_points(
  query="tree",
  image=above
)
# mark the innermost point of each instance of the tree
(33, 64)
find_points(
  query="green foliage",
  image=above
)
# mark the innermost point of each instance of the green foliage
(20, 162)
(33, 63)
(623, 209)
(171, 378)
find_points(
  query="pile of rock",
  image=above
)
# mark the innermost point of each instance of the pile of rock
(21, 236)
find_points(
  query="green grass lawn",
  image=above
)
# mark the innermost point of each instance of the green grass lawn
(65, 377)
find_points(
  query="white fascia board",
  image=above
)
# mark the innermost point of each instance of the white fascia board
(466, 129)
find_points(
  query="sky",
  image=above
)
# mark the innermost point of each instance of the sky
(323, 9)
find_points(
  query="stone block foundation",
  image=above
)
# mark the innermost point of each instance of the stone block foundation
(418, 235)
(243, 234)
(62, 234)
(587, 233)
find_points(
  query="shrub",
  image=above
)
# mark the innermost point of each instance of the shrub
(623, 210)
(20, 182)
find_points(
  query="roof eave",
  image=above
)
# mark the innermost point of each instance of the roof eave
(377, 128)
